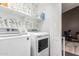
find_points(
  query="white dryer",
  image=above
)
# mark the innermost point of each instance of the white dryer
(39, 43)
(14, 44)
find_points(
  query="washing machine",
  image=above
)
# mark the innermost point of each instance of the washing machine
(12, 43)
(39, 43)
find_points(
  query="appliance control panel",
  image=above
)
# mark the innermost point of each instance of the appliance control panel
(9, 30)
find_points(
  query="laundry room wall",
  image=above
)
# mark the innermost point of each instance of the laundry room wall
(26, 8)
(13, 19)
(30, 9)
(52, 24)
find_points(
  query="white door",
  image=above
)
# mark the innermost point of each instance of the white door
(15, 46)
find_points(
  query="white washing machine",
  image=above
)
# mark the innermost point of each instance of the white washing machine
(14, 44)
(39, 43)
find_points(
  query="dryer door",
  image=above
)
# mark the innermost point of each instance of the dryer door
(43, 46)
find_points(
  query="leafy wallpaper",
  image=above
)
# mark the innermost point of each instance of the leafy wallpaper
(12, 19)
(27, 8)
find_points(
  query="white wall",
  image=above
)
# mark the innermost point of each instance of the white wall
(52, 24)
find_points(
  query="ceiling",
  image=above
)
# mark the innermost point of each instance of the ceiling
(68, 6)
